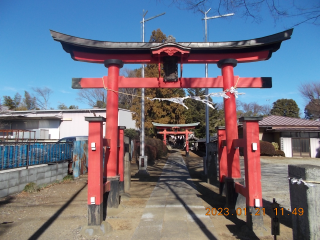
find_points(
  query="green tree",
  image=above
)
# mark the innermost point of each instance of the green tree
(62, 106)
(9, 102)
(100, 104)
(157, 111)
(286, 108)
(29, 102)
(131, 133)
(311, 93)
(73, 107)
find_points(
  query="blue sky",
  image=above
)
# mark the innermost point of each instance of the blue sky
(30, 58)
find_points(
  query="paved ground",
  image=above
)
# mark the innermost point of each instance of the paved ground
(174, 211)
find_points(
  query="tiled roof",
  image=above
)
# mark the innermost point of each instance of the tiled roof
(287, 121)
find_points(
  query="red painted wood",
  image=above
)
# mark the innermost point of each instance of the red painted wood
(248, 82)
(95, 166)
(238, 143)
(240, 189)
(107, 186)
(111, 159)
(187, 141)
(252, 162)
(121, 155)
(222, 155)
(192, 58)
(231, 122)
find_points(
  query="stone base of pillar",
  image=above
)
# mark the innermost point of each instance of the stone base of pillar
(121, 187)
(254, 221)
(113, 195)
(92, 231)
(95, 214)
(234, 200)
(304, 198)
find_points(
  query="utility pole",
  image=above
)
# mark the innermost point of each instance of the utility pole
(207, 89)
(143, 159)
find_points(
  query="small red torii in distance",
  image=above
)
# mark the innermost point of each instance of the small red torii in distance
(175, 131)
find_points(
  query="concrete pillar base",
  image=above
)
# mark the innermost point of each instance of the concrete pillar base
(100, 230)
(95, 214)
(255, 221)
(121, 187)
(113, 195)
(234, 200)
(304, 199)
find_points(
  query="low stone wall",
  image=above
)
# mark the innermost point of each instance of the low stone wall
(14, 180)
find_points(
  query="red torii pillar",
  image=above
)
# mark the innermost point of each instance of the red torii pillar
(231, 131)
(165, 137)
(111, 157)
(121, 158)
(96, 186)
(187, 143)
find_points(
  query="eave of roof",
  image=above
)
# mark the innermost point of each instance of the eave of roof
(271, 42)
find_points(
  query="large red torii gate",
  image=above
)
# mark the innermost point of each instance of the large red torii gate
(114, 54)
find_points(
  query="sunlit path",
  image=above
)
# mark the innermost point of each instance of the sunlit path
(174, 211)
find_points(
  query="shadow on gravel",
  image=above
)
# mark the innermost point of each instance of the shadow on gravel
(6, 200)
(217, 201)
(47, 224)
(285, 219)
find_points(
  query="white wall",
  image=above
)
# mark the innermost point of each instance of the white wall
(74, 124)
(314, 146)
(286, 146)
(125, 119)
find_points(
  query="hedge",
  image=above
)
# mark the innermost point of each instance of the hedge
(266, 149)
(279, 153)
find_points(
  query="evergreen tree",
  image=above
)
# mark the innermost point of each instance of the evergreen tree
(286, 108)
(8, 101)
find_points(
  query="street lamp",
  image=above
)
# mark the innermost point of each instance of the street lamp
(207, 89)
(142, 94)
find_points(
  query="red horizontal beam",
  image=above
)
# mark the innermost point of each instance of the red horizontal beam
(191, 58)
(240, 189)
(238, 143)
(173, 132)
(249, 82)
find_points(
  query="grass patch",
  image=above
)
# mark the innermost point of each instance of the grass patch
(31, 188)
(68, 178)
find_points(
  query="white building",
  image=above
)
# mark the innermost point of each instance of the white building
(56, 124)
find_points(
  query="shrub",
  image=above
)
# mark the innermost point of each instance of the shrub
(151, 152)
(266, 149)
(131, 133)
(156, 149)
(31, 188)
(276, 145)
(279, 153)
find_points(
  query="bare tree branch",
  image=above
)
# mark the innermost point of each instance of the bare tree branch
(42, 98)
(92, 96)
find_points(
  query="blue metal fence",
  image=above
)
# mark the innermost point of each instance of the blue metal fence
(17, 154)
